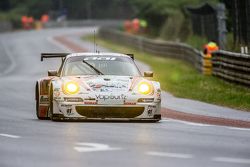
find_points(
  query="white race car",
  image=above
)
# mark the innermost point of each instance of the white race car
(97, 86)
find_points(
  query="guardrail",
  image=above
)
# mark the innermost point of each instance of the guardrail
(161, 48)
(234, 67)
(230, 66)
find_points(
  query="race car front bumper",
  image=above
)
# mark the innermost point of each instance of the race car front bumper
(79, 111)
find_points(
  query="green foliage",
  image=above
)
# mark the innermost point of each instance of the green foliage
(38, 7)
(164, 6)
(175, 28)
(170, 22)
(14, 9)
(196, 41)
(165, 17)
(231, 45)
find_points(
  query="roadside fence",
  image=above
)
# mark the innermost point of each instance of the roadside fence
(234, 67)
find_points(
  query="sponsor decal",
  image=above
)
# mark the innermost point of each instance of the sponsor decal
(89, 98)
(66, 105)
(146, 100)
(116, 85)
(90, 102)
(158, 96)
(123, 80)
(151, 110)
(69, 111)
(56, 89)
(44, 100)
(58, 99)
(100, 58)
(84, 93)
(129, 103)
(56, 94)
(111, 97)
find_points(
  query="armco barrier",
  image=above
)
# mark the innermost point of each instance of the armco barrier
(234, 67)
(161, 48)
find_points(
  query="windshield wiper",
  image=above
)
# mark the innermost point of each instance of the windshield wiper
(95, 69)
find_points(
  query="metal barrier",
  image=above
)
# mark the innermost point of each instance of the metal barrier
(234, 67)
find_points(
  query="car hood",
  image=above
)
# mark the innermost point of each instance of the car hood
(106, 83)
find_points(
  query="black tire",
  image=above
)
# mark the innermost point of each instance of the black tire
(37, 101)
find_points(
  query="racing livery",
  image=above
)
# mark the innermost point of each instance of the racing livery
(97, 86)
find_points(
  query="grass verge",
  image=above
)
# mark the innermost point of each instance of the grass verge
(182, 80)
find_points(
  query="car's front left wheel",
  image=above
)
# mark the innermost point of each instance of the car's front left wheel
(38, 115)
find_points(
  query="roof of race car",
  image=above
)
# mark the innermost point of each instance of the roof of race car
(95, 54)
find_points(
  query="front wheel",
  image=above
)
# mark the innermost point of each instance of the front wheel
(37, 103)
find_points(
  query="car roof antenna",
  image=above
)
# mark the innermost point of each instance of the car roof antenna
(94, 40)
(95, 44)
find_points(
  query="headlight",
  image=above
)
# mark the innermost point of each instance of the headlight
(71, 88)
(145, 88)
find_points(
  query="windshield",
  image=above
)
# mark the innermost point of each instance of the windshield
(100, 65)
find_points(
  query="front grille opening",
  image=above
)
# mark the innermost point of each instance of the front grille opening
(109, 112)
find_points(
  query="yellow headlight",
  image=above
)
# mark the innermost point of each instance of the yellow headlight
(71, 88)
(145, 88)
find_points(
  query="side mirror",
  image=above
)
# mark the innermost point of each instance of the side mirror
(148, 74)
(52, 73)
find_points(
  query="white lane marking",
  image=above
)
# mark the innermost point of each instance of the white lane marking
(12, 61)
(10, 136)
(231, 160)
(91, 147)
(59, 45)
(185, 122)
(170, 155)
(204, 125)
(243, 129)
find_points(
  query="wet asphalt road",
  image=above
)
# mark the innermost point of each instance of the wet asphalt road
(28, 142)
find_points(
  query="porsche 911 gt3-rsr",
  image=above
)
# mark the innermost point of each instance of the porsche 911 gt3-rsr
(97, 86)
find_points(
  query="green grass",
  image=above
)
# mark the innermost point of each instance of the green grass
(182, 80)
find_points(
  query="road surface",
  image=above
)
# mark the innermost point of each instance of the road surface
(28, 142)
